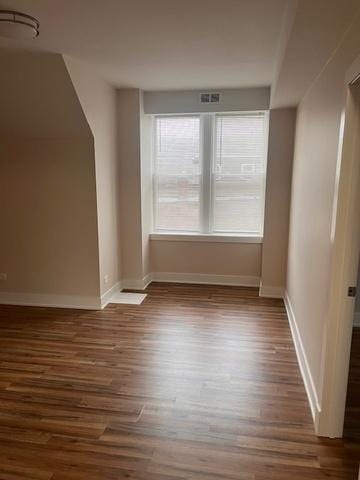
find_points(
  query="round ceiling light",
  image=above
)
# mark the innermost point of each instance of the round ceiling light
(18, 25)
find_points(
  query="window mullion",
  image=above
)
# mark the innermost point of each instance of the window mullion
(207, 147)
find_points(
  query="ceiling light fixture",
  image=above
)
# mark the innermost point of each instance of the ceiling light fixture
(18, 25)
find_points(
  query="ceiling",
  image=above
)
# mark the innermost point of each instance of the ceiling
(194, 44)
(164, 44)
(317, 28)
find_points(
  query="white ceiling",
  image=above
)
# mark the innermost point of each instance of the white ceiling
(164, 44)
(195, 44)
(317, 28)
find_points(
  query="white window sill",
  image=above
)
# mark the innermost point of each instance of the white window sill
(206, 237)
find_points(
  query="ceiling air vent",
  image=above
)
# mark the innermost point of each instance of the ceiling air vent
(212, 97)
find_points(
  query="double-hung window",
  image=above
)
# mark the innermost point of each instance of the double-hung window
(209, 173)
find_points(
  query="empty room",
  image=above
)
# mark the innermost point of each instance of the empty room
(180, 239)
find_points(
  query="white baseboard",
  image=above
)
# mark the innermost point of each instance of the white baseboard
(357, 319)
(96, 303)
(271, 292)
(203, 278)
(302, 361)
(109, 293)
(50, 300)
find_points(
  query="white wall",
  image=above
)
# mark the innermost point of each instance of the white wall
(313, 190)
(98, 100)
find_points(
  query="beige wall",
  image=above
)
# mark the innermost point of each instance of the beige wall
(267, 262)
(48, 241)
(188, 101)
(135, 153)
(122, 199)
(99, 102)
(128, 104)
(141, 256)
(277, 200)
(146, 130)
(238, 259)
(313, 187)
(43, 106)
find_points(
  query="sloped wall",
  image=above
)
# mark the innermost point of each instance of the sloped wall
(98, 101)
(37, 98)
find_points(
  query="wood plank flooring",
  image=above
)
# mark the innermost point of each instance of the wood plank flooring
(197, 383)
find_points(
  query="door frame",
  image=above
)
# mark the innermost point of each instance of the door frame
(345, 238)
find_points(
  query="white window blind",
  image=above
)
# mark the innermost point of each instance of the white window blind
(209, 173)
(177, 173)
(239, 177)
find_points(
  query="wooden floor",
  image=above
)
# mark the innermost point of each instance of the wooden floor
(352, 415)
(197, 383)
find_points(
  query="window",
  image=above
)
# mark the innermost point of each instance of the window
(209, 173)
(239, 178)
(177, 174)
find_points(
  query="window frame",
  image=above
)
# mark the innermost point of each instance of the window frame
(207, 139)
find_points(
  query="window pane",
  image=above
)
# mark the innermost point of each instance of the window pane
(177, 173)
(239, 174)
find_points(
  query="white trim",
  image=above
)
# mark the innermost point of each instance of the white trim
(205, 237)
(268, 291)
(266, 154)
(98, 303)
(302, 361)
(136, 283)
(199, 278)
(206, 190)
(105, 298)
(50, 300)
(356, 319)
(208, 279)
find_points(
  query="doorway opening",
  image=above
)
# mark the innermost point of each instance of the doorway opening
(352, 409)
